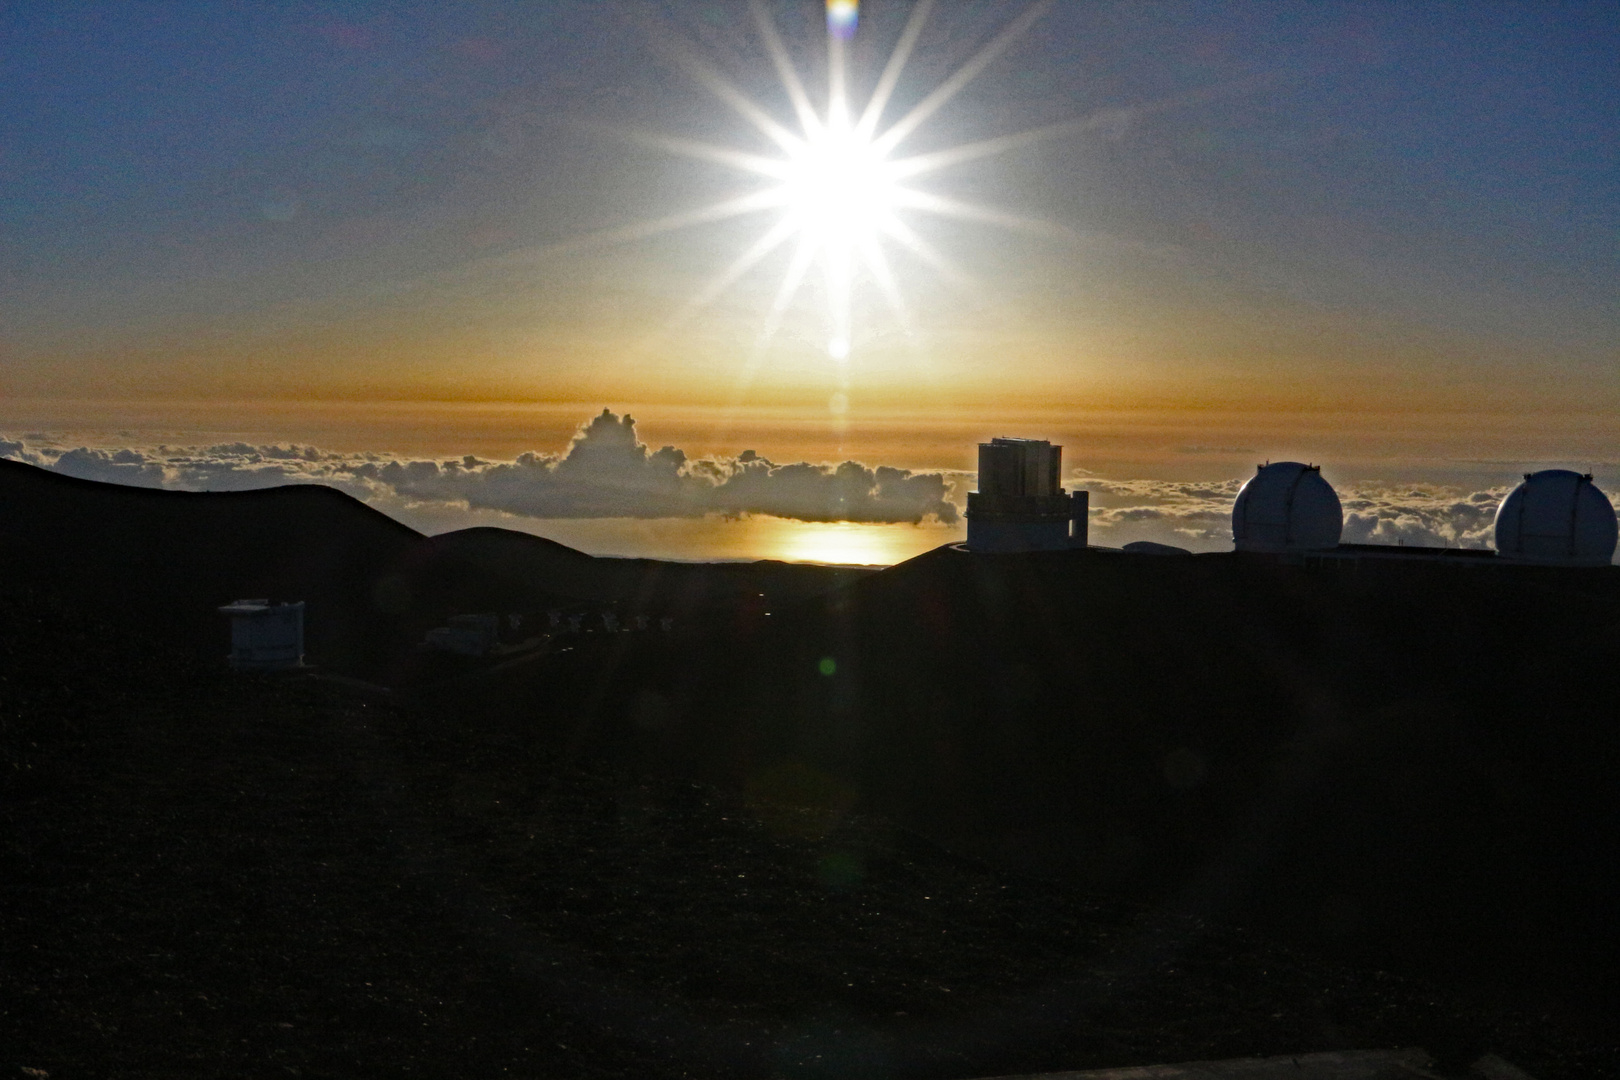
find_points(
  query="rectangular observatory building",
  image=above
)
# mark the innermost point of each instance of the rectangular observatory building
(1021, 504)
(266, 636)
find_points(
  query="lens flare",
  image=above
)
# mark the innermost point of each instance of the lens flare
(842, 15)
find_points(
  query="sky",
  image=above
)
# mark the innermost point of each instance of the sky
(244, 243)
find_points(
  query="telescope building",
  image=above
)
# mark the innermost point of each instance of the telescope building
(1021, 504)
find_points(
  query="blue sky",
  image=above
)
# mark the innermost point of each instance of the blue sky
(1386, 233)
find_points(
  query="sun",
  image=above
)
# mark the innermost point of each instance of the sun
(841, 196)
(840, 186)
(837, 188)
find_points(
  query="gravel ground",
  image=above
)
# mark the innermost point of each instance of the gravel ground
(207, 876)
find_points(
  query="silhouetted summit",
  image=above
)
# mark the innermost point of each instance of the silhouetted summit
(373, 586)
(1409, 762)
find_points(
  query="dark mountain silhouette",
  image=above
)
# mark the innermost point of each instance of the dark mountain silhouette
(1410, 765)
(498, 564)
(168, 559)
(223, 871)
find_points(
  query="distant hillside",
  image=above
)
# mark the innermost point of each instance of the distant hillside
(168, 559)
(372, 585)
(510, 562)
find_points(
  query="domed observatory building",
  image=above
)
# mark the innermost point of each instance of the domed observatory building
(1286, 508)
(1021, 504)
(1556, 518)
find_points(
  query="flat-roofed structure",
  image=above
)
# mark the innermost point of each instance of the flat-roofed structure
(1021, 504)
(265, 636)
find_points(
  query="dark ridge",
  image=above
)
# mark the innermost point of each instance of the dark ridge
(166, 560)
(678, 588)
(490, 544)
(212, 875)
(1416, 551)
(1406, 764)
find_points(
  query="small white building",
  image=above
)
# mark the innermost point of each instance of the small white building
(265, 636)
(1021, 504)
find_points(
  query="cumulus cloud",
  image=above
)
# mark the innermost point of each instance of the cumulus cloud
(606, 471)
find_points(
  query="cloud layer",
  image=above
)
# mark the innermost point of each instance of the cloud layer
(606, 471)
(1199, 515)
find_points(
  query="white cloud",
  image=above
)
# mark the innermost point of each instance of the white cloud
(1193, 515)
(606, 471)
(1199, 515)
(1436, 517)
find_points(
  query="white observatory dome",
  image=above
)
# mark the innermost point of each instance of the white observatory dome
(1556, 518)
(1287, 506)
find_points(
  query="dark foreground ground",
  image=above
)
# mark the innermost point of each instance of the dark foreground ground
(206, 876)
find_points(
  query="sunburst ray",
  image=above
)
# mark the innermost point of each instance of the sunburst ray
(774, 47)
(752, 202)
(835, 184)
(751, 256)
(958, 79)
(944, 206)
(697, 149)
(705, 74)
(891, 71)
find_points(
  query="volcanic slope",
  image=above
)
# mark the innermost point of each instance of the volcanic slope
(1411, 767)
(206, 875)
(168, 559)
(1414, 765)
